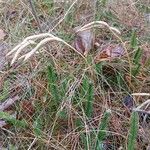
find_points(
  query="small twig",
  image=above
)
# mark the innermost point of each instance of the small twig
(64, 16)
(48, 37)
(35, 15)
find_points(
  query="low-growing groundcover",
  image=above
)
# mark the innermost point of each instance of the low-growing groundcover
(74, 75)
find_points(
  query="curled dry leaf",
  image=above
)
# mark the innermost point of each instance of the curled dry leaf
(110, 51)
(84, 41)
(2, 34)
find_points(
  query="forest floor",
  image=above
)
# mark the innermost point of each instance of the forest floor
(86, 86)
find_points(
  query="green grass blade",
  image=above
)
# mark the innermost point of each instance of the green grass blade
(136, 70)
(102, 127)
(133, 41)
(89, 97)
(137, 56)
(37, 127)
(133, 131)
(85, 139)
(103, 2)
(52, 78)
(85, 85)
(136, 61)
(4, 94)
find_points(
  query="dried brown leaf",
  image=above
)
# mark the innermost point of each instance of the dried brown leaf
(8, 103)
(84, 41)
(27, 108)
(3, 52)
(128, 102)
(110, 51)
(2, 34)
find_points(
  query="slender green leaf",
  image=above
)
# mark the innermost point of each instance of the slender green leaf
(10, 119)
(102, 130)
(89, 97)
(137, 56)
(103, 2)
(133, 131)
(133, 41)
(136, 70)
(52, 78)
(37, 127)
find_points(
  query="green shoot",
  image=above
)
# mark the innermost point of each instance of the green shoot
(52, 78)
(137, 56)
(89, 97)
(102, 130)
(133, 131)
(133, 41)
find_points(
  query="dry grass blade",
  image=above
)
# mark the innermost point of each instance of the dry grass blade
(31, 40)
(143, 104)
(20, 48)
(139, 108)
(67, 12)
(49, 37)
(140, 94)
(98, 24)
